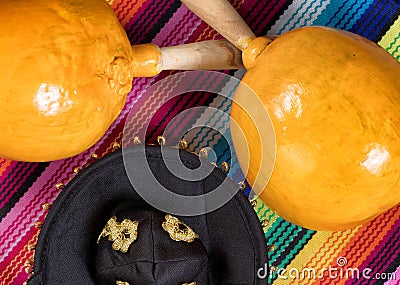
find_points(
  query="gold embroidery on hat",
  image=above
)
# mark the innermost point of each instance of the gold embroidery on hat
(225, 167)
(177, 230)
(46, 206)
(242, 185)
(59, 186)
(183, 144)
(116, 145)
(136, 140)
(28, 266)
(264, 223)
(191, 283)
(203, 153)
(161, 140)
(122, 234)
(122, 283)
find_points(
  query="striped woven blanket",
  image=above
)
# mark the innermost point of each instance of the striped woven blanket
(295, 253)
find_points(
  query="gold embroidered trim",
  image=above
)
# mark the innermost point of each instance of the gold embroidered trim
(177, 230)
(122, 283)
(183, 144)
(225, 167)
(122, 234)
(191, 283)
(161, 140)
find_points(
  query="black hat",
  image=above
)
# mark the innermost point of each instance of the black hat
(101, 231)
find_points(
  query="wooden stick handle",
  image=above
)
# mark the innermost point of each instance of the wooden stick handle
(206, 55)
(149, 59)
(223, 17)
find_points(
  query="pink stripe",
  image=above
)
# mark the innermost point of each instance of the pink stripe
(26, 210)
(16, 182)
(13, 267)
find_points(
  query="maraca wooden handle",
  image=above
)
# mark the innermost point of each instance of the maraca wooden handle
(150, 60)
(206, 55)
(221, 15)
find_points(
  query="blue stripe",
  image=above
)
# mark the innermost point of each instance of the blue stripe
(343, 15)
(381, 20)
(354, 14)
(375, 18)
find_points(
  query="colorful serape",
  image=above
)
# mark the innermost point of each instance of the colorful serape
(298, 255)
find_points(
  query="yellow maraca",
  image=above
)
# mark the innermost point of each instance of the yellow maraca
(334, 100)
(66, 68)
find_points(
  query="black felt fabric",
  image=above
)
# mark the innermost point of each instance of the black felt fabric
(230, 249)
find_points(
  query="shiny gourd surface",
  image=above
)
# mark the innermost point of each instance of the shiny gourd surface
(334, 101)
(65, 73)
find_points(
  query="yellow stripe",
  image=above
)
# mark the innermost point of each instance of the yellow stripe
(316, 254)
(305, 255)
(392, 35)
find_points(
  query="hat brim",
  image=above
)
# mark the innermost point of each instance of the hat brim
(65, 252)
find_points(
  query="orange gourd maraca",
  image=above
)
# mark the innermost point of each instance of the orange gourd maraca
(66, 69)
(334, 101)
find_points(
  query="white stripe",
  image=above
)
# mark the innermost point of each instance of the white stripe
(299, 13)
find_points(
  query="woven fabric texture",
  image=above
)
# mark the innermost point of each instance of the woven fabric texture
(373, 247)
